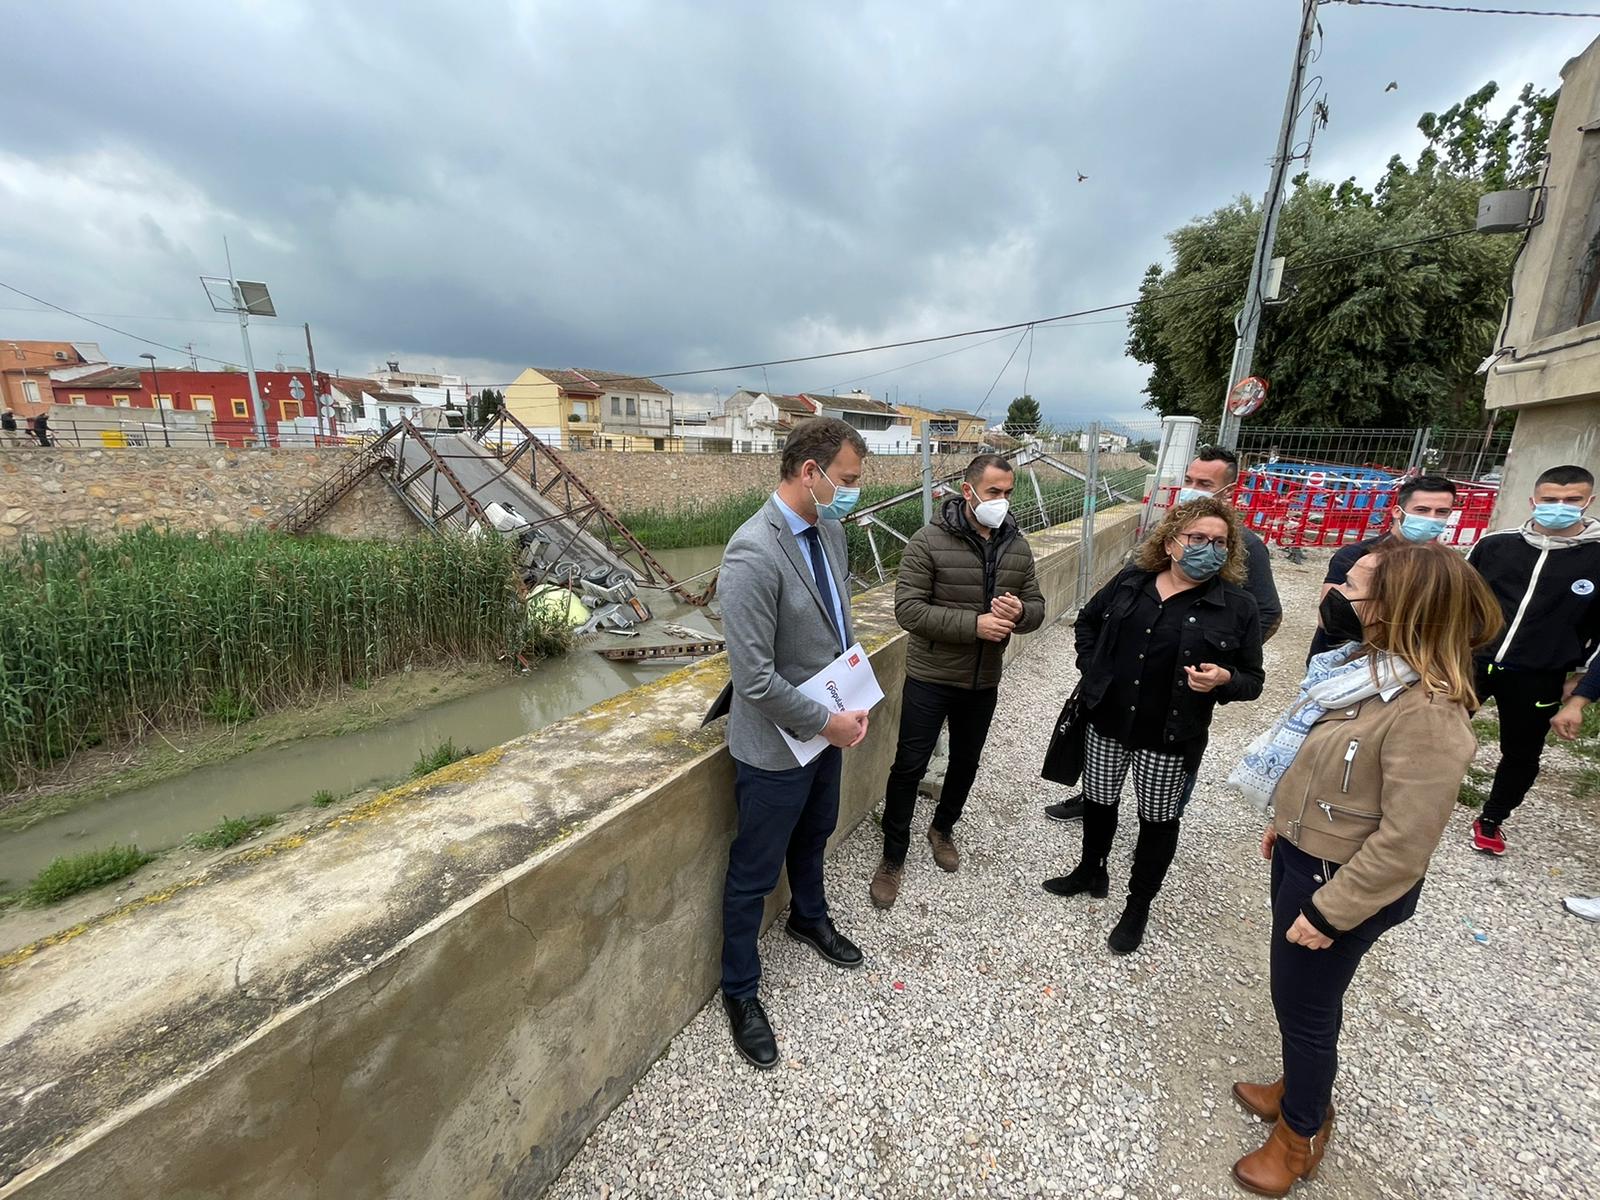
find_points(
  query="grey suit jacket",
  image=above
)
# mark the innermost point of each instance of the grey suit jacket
(778, 634)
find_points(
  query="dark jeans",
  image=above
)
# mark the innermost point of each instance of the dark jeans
(1308, 986)
(924, 709)
(785, 818)
(1525, 701)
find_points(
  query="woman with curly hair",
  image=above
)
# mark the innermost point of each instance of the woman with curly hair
(1168, 639)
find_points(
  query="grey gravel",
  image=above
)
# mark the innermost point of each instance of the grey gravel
(994, 1047)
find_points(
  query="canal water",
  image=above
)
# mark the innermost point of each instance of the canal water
(288, 775)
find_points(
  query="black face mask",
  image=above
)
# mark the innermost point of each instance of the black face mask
(1339, 620)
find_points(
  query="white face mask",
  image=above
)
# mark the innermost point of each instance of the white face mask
(991, 513)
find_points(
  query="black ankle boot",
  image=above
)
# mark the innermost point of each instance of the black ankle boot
(1152, 855)
(1099, 830)
(1128, 933)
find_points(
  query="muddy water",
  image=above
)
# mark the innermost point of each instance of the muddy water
(286, 776)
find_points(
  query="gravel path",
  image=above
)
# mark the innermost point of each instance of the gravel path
(994, 1047)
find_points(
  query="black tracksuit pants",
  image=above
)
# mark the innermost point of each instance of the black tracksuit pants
(1525, 700)
(924, 709)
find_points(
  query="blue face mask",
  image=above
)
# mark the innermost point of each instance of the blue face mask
(1420, 529)
(1557, 516)
(1200, 563)
(843, 502)
(1187, 494)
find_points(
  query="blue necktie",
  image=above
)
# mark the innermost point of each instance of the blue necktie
(819, 569)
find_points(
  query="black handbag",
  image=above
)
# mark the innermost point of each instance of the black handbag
(1063, 761)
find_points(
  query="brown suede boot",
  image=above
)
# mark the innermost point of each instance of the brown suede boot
(1286, 1159)
(1262, 1099)
(885, 886)
(944, 850)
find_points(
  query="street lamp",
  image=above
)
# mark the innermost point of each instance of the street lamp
(155, 383)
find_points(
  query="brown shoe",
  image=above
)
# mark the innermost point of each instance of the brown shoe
(1262, 1099)
(885, 887)
(944, 850)
(1286, 1159)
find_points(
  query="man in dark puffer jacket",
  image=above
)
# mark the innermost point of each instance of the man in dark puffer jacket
(966, 584)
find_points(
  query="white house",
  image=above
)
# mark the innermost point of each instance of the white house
(884, 428)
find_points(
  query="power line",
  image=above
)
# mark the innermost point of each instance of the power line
(110, 328)
(978, 412)
(1458, 8)
(22, 308)
(1024, 326)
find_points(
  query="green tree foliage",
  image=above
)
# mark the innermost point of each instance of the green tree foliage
(1378, 338)
(1023, 415)
(489, 402)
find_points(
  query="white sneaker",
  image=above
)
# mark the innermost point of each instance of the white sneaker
(1587, 907)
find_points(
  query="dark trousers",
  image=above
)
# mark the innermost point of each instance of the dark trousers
(1525, 702)
(1308, 986)
(924, 709)
(785, 818)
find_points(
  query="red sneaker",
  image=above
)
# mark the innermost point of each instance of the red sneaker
(1487, 843)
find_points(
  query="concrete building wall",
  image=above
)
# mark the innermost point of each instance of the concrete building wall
(1550, 371)
(468, 1055)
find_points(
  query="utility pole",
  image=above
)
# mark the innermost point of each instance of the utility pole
(249, 359)
(927, 474)
(316, 395)
(1249, 319)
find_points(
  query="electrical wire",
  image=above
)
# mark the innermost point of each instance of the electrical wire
(978, 412)
(1024, 326)
(1457, 8)
(111, 328)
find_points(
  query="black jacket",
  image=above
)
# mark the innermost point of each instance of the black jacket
(1226, 631)
(1549, 593)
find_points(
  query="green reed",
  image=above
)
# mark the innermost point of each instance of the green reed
(101, 638)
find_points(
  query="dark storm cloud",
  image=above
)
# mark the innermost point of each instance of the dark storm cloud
(657, 185)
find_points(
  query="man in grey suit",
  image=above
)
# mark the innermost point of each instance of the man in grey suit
(786, 615)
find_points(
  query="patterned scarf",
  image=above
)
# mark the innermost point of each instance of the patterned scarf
(1333, 681)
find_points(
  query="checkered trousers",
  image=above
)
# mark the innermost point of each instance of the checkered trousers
(1159, 780)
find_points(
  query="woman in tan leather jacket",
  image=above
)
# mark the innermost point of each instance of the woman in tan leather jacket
(1362, 775)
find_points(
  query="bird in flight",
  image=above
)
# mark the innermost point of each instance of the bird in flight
(1393, 87)
(1082, 177)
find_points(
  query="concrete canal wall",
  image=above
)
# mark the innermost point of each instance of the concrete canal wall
(438, 994)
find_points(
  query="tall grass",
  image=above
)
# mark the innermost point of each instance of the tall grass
(100, 638)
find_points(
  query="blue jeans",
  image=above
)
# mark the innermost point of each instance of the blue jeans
(785, 819)
(1308, 986)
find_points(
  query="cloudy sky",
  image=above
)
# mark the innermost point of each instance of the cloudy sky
(664, 186)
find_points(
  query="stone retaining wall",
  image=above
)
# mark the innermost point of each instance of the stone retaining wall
(43, 491)
(215, 488)
(634, 482)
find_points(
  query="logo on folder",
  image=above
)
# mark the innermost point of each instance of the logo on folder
(855, 660)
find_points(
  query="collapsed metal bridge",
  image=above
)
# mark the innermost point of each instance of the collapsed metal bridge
(501, 478)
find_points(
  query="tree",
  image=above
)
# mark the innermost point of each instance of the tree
(1363, 336)
(1023, 416)
(489, 403)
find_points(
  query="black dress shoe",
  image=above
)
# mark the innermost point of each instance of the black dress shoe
(1068, 810)
(752, 1032)
(828, 942)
